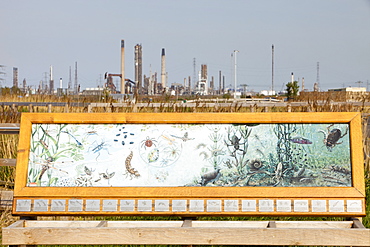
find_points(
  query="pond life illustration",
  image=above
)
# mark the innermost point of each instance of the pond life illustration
(173, 155)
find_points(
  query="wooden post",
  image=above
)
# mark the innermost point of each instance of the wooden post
(66, 108)
(14, 108)
(30, 108)
(251, 107)
(134, 108)
(89, 108)
(289, 108)
(309, 108)
(49, 108)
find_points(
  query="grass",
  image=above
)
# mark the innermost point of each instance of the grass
(11, 114)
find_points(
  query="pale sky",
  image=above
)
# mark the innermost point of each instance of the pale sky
(336, 33)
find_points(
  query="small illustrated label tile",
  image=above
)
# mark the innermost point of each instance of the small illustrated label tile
(318, 205)
(213, 205)
(110, 205)
(266, 205)
(162, 205)
(231, 205)
(354, 206)
(249, 205)
(336, 205)
(178, 205)
(283, 205)
(58, 205)
(92, 205)
(23, 206)
(300, 205)
(144, 205)
(127, 205)
(40, 205)
(75, 205)
(196, 206)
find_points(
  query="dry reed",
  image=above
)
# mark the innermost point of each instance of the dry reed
(11, 114)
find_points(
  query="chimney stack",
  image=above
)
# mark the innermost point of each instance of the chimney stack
(163, 71)
(292, 77)
(123, 90)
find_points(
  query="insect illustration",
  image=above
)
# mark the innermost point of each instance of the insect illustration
(43, 143)
(92, 132)
(107, 175)
(234, 142)
(184, 138)
(98, 148)
(148, 142)
(48, 164)
(171, 141)
(78, 142)
(331, 137)
(130, 171)
(88, 171)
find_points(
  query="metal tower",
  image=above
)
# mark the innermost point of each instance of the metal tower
(318, 75)
(272, 71)
(138, 68)
(76, 82)
(194, 71)
(70, 80)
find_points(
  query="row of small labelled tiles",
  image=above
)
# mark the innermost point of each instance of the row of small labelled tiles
(179, 205)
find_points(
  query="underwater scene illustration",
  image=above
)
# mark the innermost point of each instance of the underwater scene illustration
(172, 155)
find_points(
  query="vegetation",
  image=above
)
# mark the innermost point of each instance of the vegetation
(292, 89)
(11, 114)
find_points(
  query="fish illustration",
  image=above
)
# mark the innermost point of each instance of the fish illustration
(300, 140)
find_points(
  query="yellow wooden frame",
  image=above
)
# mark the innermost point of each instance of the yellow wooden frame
(357, 191)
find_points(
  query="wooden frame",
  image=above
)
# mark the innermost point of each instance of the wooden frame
(197, 200)
(297, 233)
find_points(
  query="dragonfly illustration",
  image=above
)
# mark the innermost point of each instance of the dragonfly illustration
(49, 163)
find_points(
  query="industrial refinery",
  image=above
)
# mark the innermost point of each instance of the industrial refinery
(150, 85)
(119, 86)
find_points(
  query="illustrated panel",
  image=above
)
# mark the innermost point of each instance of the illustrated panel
(174, 155)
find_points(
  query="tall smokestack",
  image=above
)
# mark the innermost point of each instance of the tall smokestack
(138, 68)
(292, 77)
(123, 66)
(15, 77)
(51, 73)
(60, 83)
(163, 71)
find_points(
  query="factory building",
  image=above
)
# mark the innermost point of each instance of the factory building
(202, 84)
(347, 94)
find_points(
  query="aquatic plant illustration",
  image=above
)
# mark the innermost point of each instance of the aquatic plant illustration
(45, 152)
(270, 155)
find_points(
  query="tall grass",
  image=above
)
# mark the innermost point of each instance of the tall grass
(11, 114)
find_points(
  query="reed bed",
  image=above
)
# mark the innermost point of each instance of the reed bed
(11, 114)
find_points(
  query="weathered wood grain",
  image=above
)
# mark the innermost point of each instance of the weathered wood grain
(222, 235)
(8, 162)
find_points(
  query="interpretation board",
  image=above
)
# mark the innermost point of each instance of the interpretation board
(190, 164)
